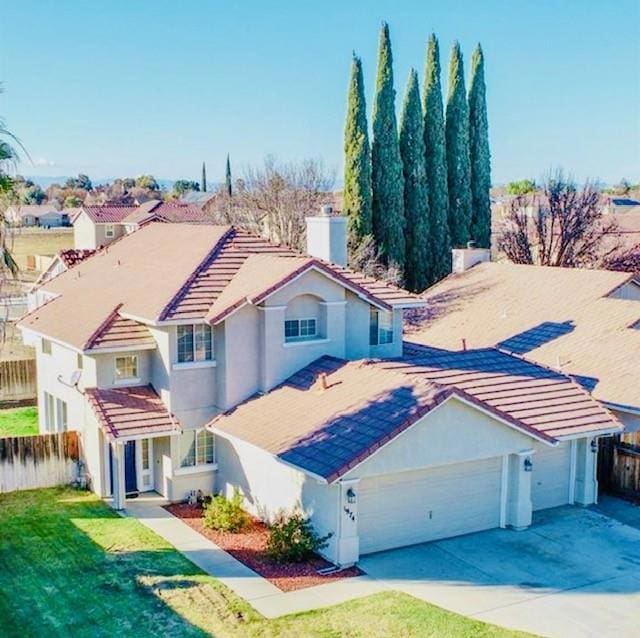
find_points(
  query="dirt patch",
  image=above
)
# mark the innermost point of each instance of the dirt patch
(249, 547)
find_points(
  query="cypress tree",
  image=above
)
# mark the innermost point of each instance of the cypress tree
(416, 204)
(479, 153)
(203, 185)
(386, 164)
(227, 178)
(439, 245)
(357, 160)
(457, 140)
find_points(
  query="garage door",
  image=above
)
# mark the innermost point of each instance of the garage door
(415, 507)
(551, 476)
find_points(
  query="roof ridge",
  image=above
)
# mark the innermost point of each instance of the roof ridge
(191, 278)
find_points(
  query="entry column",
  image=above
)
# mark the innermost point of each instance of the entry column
(518, 505)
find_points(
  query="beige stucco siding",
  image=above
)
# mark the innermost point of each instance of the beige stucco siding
(452, 433)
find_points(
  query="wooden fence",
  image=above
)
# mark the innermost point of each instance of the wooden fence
(43, 460)
(18, 380)
(619, 464)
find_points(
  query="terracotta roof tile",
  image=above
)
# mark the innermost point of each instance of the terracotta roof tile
(131, 411)
(366, 404)
(108, 214)
(120, 332)
(74, 256)
(552, 315)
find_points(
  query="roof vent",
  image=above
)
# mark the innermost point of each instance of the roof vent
(321, 383)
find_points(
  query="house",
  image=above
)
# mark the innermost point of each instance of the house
(96, 226)
(582, 322)
(45, 215)
(204, 357)
(621, 206)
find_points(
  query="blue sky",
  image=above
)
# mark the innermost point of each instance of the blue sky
(128, 87)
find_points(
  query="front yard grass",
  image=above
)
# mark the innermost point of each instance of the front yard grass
(70, 566)
(18, 422)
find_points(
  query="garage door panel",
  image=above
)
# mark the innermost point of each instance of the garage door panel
(551, 476)
(416, 507)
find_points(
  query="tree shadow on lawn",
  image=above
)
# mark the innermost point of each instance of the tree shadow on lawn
(71, 566)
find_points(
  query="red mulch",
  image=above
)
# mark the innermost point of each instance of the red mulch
(249, 547)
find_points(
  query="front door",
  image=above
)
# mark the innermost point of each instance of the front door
(130, 474)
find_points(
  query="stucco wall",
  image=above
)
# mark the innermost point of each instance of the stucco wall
(84, 233)
(630, 421)
(269, 486)
(452, 433)
(106, 368)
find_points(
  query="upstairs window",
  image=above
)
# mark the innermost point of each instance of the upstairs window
(46, 346)
(300, 329)
(194, 343)
(380, 327)
(109, 230)
(126, 368)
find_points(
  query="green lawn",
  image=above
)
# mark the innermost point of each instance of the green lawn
(70, 566)
(18, 421)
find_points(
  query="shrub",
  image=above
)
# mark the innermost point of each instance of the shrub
(225, 515)
(293, 539)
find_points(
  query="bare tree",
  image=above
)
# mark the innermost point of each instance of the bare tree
(274, 199)
(564, 226)
(625, 261)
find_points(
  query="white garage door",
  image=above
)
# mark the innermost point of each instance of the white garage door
(415, 507)
(551, 476)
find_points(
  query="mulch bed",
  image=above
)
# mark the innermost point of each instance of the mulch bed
(249, 547)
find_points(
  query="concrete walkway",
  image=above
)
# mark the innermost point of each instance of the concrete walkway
(264, 596)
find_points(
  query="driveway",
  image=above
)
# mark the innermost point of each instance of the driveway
(574, 572)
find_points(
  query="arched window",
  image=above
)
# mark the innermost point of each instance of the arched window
(305, 319)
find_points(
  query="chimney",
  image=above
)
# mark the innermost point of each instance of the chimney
(464, 258)
(327, 236)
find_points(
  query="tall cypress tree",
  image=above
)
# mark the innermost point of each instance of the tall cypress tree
(416, 203)
(227, 178)
(203, 183)
(479, 153)
(436, 164)
(357, 160)
(458, 164)
(386, 164)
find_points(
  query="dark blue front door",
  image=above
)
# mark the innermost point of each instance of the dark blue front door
(130, 478)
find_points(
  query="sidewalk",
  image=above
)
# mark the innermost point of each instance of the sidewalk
(264, 596)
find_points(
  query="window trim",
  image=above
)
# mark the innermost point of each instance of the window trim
(301, 338)
(196, 467)
(380, 328)
(120, 380)
(194, 362)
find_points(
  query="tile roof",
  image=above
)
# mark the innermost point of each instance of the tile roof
(35, 210)
(201, 292)
(108, 214)
(366, 404)
(73, 256)
(556, 316)
(131, 411)
(190, 267)
(120, 332)
(170, 212)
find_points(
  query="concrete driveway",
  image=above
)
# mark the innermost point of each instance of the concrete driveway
(575, 572)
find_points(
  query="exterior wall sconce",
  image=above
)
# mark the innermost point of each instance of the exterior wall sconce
(528, 465)
(594, 446)
(351, 496)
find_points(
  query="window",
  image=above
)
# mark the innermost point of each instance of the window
(46, 346)
(49, 412)
(196, 448)
(300, 329)
(109, 230)
(80, 362)
(55, 414)
(126, 367)
(194, 343)
(380, 327)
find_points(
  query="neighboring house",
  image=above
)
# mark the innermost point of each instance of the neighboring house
(97, 226)
(203, 357)
(582, 322)
(621, 206)
(45, 215)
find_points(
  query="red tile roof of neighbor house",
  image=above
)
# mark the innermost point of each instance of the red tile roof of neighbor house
(189, 267)
(73, 256)
(555, 316)
(366, 404)
(173, 212)
(130, 412)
